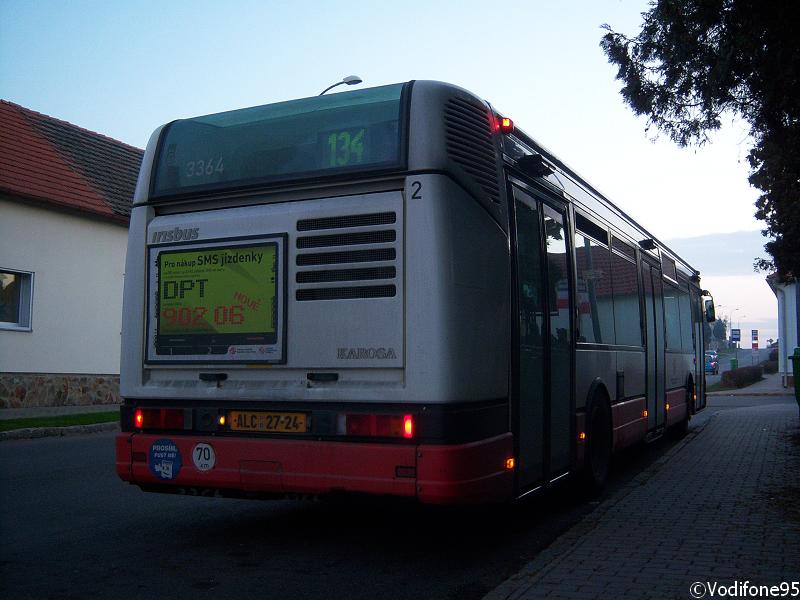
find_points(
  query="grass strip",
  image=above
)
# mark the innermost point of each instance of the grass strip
(60, 420)
(719, 387)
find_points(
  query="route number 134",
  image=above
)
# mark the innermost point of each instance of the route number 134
(345, 148)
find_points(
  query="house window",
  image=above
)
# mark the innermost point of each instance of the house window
(16, 299)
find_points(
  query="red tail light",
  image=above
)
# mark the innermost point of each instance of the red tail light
(362, 425)
(159, 418)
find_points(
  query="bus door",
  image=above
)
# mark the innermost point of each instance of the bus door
(698, 323)
(654, 318)
(544, 367)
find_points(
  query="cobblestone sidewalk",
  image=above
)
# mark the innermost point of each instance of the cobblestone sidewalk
(722, 506)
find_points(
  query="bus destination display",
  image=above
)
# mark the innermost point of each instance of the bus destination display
(220, 300)
(343, 148)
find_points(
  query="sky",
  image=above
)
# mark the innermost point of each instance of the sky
(122, 68)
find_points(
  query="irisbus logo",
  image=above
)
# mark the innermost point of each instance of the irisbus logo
(365, 353)
(176, 235)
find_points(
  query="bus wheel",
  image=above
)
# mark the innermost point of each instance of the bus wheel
(597, 461)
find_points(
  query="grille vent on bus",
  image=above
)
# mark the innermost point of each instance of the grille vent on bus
(374, 232)
(469, 143)
(386, 218)
(347, 239)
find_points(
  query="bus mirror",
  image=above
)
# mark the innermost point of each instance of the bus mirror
(711, 314)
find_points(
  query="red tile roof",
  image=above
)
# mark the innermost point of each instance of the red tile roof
(49, 161)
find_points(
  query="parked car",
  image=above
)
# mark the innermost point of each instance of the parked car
(712, 363)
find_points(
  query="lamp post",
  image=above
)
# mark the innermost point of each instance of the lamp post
(349, 80)
(718, 307)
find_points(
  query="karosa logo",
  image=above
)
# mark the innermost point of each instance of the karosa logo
(365, 353)
(176, 235)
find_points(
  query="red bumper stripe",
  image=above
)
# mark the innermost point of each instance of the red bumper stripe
(630, 424)
(445, 474)
(677, 406)
(467, 473)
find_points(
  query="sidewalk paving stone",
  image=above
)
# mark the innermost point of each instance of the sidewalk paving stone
(721, 506)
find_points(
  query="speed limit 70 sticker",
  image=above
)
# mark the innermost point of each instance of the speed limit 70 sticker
(203, 457)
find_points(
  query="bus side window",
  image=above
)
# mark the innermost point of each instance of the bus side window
(530, 276)
(595, 300)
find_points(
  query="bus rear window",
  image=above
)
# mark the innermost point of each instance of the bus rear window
(312, 137)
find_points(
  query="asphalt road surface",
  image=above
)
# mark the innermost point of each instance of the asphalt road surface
(71, 529)
(747, 358)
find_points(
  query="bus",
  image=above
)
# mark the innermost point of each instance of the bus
(390, 291)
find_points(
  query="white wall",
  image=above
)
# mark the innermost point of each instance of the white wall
(78, 265)
(787, 325)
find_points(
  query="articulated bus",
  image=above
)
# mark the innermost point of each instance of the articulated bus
(390, 291)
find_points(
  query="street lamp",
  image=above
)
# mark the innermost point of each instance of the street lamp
(349, 80)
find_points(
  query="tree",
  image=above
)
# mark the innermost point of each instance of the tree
(697, 60)
(720, 329)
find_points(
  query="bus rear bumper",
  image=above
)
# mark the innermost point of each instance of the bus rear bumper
(440, 474)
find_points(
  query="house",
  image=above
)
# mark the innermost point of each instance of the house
(788, 295)
(65, 196)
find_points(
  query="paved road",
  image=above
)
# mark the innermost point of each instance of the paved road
(71, 529)
(747, 357)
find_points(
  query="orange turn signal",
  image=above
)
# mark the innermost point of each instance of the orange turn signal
(408, 426)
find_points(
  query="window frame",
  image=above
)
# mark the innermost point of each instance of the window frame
(577, 325)
(620, 253)
(25, 322)
(668, 337)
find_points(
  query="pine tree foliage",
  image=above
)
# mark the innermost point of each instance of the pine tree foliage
(695, 61)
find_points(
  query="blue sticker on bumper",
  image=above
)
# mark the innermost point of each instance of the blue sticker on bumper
(164, 459)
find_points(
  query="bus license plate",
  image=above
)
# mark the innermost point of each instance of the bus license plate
(268, 422)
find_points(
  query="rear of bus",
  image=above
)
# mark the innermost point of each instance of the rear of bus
(317, 301)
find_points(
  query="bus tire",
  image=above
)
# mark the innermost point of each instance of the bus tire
(597, 457)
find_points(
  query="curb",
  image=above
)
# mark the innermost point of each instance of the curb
(30, 433)
(744, 392)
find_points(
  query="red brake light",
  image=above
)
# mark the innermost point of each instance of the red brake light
(159, 418)
(377, 425)
(358, 425)
(172, 418)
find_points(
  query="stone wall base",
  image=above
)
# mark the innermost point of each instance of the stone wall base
(25, 390)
